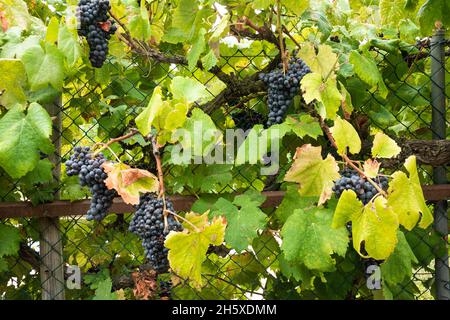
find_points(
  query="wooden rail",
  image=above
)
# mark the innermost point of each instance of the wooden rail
(63, 208)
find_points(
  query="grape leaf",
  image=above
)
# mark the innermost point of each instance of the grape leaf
(314, 174)
(209, 60)
(12, 81)
(187, 249)
(199, 125)
(375, 228)
(51, 34)
(197, 49)
(292, 201)
(326, 92)
(324, 63)
(432, 11)
(309, 239)
(406, 198)
(42, 173)
(103, 290)
(69, 45)
(9, 240)
(392, 11)
(129, 182)
(348, 207)
(399, 264)
(367, 70)
(139, 23)
(384, 146)
(371, 168)
(244, 219)
(345, 136)
(22, 137)
(295, 6)
(154, 108)
(37, 64)
(303, 125)
(187, 89)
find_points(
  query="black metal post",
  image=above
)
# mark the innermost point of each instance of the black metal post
(438, 126)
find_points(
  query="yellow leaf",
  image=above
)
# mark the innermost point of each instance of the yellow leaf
(187, 249)
(371, 168)
(384, 147)
(129, 182)
(314, 174)
(375, 230)
(347, 207)
(405, 196)
(345, 136)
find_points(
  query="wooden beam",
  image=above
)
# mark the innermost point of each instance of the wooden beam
(181, 203)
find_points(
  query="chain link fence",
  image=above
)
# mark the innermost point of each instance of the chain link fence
(56, 240)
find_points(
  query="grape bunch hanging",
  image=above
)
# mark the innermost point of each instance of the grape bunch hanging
(282, 88)
(351, 180)
(149, 224)
(246, 119)
(88, 168)
(96, 27)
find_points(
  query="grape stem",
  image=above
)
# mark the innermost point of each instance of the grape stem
(347, 160)
(280, 37)
(133, 132)
(184, 219)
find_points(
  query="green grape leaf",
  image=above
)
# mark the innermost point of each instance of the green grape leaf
(187, 249)
(366, 68)
(345, 136)
(292, 201)
(139, 23)
(13, 79)
(42, 173)
(392, 11)
(406, 198)
(198, 46)
(304, 125)
(327, 93)
(308, 238)
(9, 240)
(399, 264)
(199, 124)
(68, 44)
(37, 64)
(375, 229)
(187, 89)
(348, 207)
(244, 219)
(154, 108)
(384, 146)
(51, 35)
(314, 174)
(103, 290)
(266, 250)
(432, 11)
(209, 60)
(22, 137)
(324, 63)
(129, 182)
(295, 6)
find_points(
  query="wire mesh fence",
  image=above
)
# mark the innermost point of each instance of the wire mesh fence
(51, 247)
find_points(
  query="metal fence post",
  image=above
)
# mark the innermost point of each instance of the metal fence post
(438, 126)
(51, 250)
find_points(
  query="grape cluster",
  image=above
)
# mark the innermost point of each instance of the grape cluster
(91, 174)
(148, 224)
(246, 119)
(365, 191)
(282, 88)
(96, 27)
